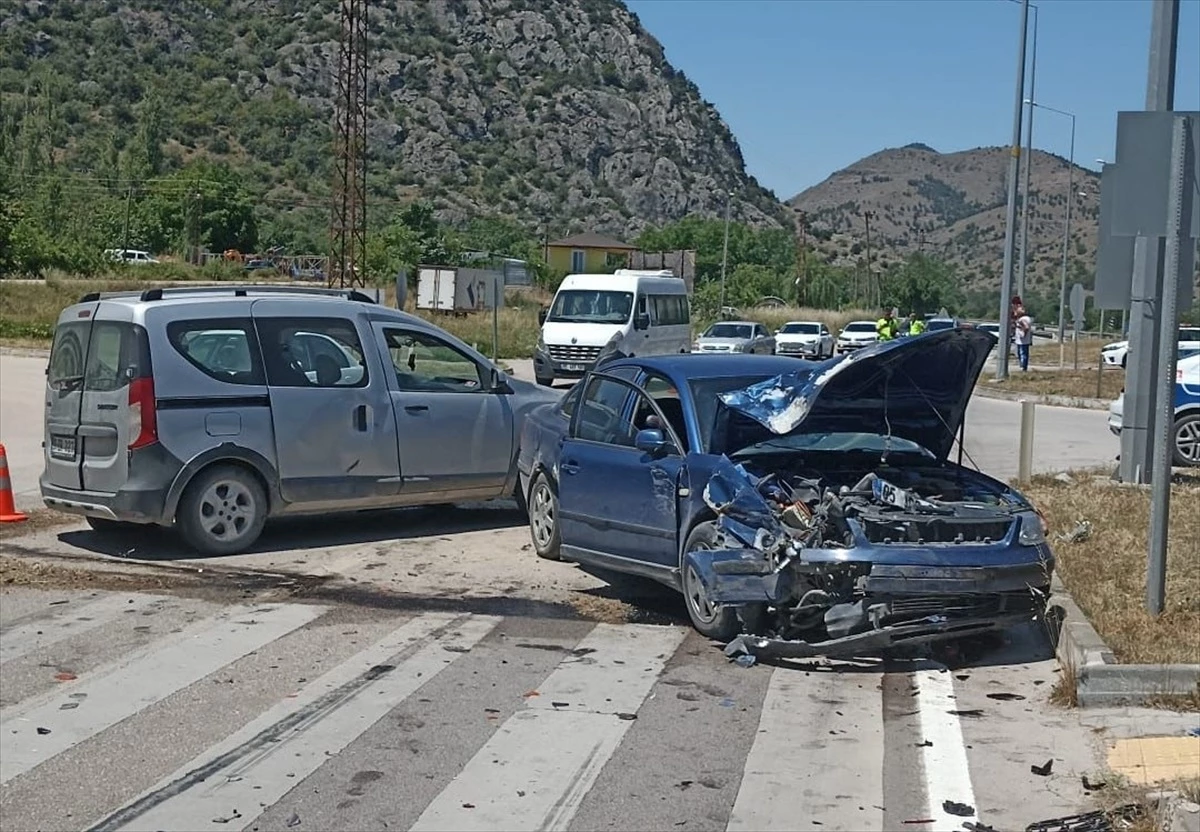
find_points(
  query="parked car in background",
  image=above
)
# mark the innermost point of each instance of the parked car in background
(1116, 354)
(938, 324)
(736, 336)
(811, 508)
(855, 335)
(211, 409)
(807, 339)
(1186, 427)
(136, 257)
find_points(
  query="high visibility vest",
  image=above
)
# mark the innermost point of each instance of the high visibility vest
(916, 327)
(885, 329)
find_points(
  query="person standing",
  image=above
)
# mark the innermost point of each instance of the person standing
(1023, 336)
(885, 327)
(916, 324)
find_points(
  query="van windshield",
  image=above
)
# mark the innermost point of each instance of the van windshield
(591, 306)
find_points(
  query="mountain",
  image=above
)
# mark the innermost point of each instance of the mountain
(562, 114)
(952, 205)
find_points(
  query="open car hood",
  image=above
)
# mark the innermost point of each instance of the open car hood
(916, 388)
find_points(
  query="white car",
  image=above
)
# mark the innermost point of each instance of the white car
(1116, 354)
(129, 255)
(856, 334)
(1186, 430)
(808, 339)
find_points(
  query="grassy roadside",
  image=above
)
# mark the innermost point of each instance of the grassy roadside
(28, 311)
(1075, 384)
(1106, 571)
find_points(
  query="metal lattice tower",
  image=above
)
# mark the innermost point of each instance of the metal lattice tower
(348, 228)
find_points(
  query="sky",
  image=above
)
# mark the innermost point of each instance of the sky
(810, 86)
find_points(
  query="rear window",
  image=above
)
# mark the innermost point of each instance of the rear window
(225, 349)
(67, 353)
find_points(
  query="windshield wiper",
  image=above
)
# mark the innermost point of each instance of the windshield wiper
(68, 382)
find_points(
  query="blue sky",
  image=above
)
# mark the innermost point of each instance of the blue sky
(809, 86)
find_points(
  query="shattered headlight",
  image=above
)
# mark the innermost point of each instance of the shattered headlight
(1033, 529)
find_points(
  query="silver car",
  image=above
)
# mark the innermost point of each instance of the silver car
(736, 336)
(212, 409)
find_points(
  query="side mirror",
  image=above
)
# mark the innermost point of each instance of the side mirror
(641, 321)
(651, 441)
(542, 314)
(499, 384)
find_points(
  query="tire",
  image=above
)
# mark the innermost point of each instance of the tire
(222, 511)
(720, 624)
(1187, 440)
(105, 526)
(543, 518)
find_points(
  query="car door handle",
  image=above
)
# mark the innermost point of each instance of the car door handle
(360, 418)
(106, 407)
(569, 467)
(415, 408)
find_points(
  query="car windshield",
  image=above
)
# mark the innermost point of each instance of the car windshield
(795, 329)
(591, 306)
(937, 324)
(728, 331)
(861, 326)
(820, 442)
(704, 394)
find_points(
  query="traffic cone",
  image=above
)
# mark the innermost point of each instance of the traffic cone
(8, 510)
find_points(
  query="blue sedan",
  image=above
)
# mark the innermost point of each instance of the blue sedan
(802, 508)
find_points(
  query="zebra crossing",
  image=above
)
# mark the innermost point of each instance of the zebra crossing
(129, 711)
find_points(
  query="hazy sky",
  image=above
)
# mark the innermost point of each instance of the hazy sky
(809, 86)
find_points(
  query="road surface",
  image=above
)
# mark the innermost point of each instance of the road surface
(132, 710)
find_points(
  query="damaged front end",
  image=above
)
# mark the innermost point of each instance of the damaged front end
(864, 567)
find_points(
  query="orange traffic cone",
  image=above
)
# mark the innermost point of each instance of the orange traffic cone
(8, 510)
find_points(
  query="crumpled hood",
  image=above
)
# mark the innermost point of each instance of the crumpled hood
(916, 388)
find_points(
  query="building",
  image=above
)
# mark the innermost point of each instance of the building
(588, 254)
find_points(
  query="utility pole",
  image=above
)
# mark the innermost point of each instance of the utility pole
(870, 278)
(802, 289)
(348, 224)
(725, 253)
(1025, 209)
(1006, 279)
(1062, 286)
(125, 236)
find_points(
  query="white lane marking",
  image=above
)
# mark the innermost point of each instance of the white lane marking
(789, 783)
(539, 765)
(27, 638)
(259, 764)
(947, 774)
(116, 692)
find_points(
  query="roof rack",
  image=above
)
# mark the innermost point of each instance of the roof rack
(159, 292)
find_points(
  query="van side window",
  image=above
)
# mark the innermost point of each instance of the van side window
(424, 362)
(222, 348)
(669, 310)
(312, 352)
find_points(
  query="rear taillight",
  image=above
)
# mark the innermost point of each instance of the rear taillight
(143, 427)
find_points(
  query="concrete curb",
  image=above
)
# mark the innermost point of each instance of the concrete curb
(990, 392)
(25, 352)
(1100, 681)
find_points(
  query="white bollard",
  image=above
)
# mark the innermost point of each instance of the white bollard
(1025, 455)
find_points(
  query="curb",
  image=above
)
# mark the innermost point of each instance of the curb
(1101, 681)
(1037, 398)
(25, 352)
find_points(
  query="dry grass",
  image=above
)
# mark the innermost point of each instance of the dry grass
(1106, 572)
(1089, 352)
(1076, 384)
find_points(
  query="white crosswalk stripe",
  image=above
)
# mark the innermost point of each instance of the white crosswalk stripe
(816, 741)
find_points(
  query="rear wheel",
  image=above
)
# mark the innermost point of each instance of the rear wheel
(1187, 440)
(222, 511)
(711, 620)
(543, 518)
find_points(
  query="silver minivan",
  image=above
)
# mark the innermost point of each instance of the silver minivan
(213, 408)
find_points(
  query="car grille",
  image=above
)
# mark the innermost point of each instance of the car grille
(793, 347)
(715, 347)
(574, 353)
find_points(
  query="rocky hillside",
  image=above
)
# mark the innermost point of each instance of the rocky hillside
(559, 113)
(951, 205)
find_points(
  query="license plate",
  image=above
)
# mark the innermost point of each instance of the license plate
(573, 368)
(889, 494)
(62, 447)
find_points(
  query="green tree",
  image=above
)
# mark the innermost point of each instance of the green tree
(922, 284)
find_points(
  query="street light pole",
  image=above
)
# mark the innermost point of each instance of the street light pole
(725, 253)
(1028, 161)
(1062, 287)
(1011, 212)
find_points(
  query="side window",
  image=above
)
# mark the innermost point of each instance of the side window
(426, 363)
(312, 352)
(222, 348)
(601, 415)
(567, 408)
(666, 396)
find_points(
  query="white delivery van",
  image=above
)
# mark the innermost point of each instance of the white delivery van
(593, 315)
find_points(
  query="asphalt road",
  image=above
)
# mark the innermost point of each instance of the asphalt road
(128, 710)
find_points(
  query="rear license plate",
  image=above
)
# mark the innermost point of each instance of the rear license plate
(573, 368)
(62, 447)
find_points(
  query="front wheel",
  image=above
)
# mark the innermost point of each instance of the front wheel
(711, 620)
(222, 511)
(543, 518)
(1187, 440)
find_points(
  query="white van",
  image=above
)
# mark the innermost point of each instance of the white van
(631, 312)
